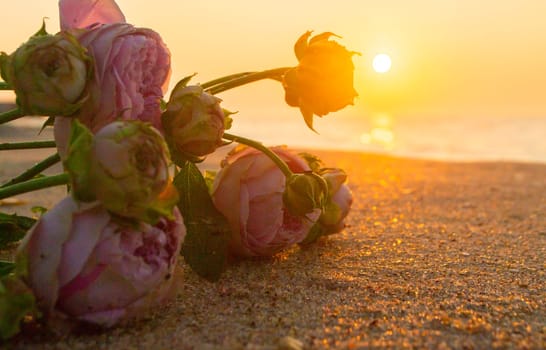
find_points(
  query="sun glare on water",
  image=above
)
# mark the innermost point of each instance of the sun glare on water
(382, 63)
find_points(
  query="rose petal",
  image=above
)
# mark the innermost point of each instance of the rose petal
(83, 13)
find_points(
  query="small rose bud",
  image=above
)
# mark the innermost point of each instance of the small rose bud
(49, 74)
(339, 200)
(194, 122)
(304, 193)
(323, 80)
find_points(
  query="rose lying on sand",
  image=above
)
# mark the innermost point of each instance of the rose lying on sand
(49, 74)
(194, 122)
(323, 80)
(125, 166)
(248, 191)
(83, 264)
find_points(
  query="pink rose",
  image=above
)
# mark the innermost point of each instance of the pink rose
(131, 74)
(131, 66)
(84, 264)
(248, 191)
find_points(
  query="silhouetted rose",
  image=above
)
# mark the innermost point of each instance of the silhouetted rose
(323, 80)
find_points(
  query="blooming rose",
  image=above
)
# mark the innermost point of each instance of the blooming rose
(339, 200)
(49, 74)
(193, 122)
(83, 264)
(125, 166)
(248, 191)
(132, 66)
(323, 80)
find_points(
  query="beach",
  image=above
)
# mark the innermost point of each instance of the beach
(437, 255)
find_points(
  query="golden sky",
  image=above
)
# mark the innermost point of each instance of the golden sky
(450, 57)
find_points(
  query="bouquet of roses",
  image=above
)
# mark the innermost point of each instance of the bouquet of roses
(107, 252)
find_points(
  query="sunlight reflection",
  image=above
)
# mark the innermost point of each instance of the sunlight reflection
(381, 133)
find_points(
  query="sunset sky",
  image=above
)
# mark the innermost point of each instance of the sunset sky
(449, 57)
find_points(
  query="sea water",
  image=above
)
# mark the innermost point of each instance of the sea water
(469, 138)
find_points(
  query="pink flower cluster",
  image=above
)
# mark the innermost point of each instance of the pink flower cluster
(92, 258)
(109, 250)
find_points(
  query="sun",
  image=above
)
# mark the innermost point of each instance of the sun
(382, 63)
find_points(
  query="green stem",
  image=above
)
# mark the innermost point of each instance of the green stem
(10, 115)
(221, 80)
(34, 185)
(5, 86)
(276, 74)
(260, 147)
(8, 146)
(35, 170)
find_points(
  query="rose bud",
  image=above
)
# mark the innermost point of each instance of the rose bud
(248, 191)
(193, 122)
(85, 265)
(304, 193)
(125, 166)
(323, 80)
(49, 74)
(339, 200)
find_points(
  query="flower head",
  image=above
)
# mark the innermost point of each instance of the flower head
(83, 264)
(248, 191)
(323, 80)
(49, 74)
(194, 122)
(132, 69)
(125, 166)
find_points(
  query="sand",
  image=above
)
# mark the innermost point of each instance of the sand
(436, 255)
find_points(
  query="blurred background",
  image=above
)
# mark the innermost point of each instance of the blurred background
(459, 79)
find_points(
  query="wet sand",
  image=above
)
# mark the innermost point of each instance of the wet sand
(436, 255)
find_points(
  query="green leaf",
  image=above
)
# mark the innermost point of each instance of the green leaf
(50, 121)
(39, 210)
(207, 230)
(228, 121)
(42, 30)
(78, 161)
(315, 233)
(184, 82)
(314, 162)
(13, 228)
(15, 303)
(209, 176)
(6, 267)
(4, 62)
